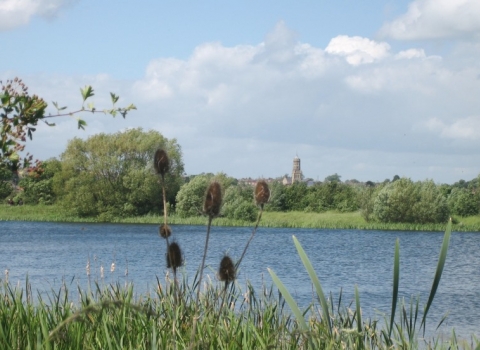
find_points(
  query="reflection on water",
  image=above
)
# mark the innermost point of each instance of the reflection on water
(50, 253)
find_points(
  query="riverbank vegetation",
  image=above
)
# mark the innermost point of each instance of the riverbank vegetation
(291, 219)
(110, 178)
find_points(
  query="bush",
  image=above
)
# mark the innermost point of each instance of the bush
(409, 202)
(463, 202)
(246, 211)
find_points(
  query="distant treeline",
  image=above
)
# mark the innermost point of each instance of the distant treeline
(109, 176)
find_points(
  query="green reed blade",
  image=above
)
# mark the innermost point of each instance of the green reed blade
(396, 280)
(438, 272)
(289, 299)
(315, 281)
(359, 312)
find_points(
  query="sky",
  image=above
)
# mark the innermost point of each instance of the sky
(365, 89)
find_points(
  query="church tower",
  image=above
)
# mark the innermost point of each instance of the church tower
(296, 172)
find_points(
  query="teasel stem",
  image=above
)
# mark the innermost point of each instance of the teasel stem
(202, 265)
(261, 195)
(251, 237)
(211, 207)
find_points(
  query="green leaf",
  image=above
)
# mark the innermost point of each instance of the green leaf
(396, 279)
(114, 97)
(438, 272)
(359, 310)
(82, 124)
(58, 108)
(87, 92)
(91, 106)
(289, 299)
(316, 282)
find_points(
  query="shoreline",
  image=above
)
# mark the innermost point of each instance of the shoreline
(325, 220)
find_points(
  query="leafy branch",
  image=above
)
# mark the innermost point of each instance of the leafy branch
(21, 112)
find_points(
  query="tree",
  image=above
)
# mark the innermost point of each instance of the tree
(38, 185)
(191, 195)
(463, 202)
(112, 174)
(333, 178)
(394, 203)
(6, 187)
(238, 203)
(20, 113)
(406, 201)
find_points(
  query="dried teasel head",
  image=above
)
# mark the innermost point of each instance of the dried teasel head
(161, 162)
(262, 193)
(226, 272)
(164, 231)
(213, 200)
(174, 256)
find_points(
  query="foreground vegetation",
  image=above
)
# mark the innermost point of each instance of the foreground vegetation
(330, 219)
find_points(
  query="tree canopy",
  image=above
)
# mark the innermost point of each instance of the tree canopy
(112, 174)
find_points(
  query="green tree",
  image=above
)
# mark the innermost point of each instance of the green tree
(277, 197)
(333, 178)
(112, 174)
(394, 203)
(431, 205)
(6, 185)
(406, 201)
(238, 203)
(463, 202)
(190, 197)
(37, 186)
(294, 196)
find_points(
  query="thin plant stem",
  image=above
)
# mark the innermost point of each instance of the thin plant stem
(251, 237)
(196, 316)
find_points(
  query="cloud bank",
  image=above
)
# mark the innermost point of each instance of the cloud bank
(16, 13)
(436, 19)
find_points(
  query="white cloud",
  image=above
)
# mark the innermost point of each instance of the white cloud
(462, 129)
(410, 53)
(434, 19)
(15, 13)
(357, 50)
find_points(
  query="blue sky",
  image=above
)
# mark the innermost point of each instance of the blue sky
(367, 90)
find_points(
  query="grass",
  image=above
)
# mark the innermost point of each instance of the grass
(332, 220)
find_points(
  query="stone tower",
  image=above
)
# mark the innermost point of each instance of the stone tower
(296, 172)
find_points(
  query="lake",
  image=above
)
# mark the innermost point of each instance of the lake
(50, 253)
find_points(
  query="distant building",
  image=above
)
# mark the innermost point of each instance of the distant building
(296, 171)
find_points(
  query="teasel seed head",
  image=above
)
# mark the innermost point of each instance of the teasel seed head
(174, 256)
(213, 200)
(262, 193)
(226, 272)
(164, 231)
(161, 162)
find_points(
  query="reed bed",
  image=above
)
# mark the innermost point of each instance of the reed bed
(112, 316)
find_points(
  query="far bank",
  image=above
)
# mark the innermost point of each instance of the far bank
(293, 219)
